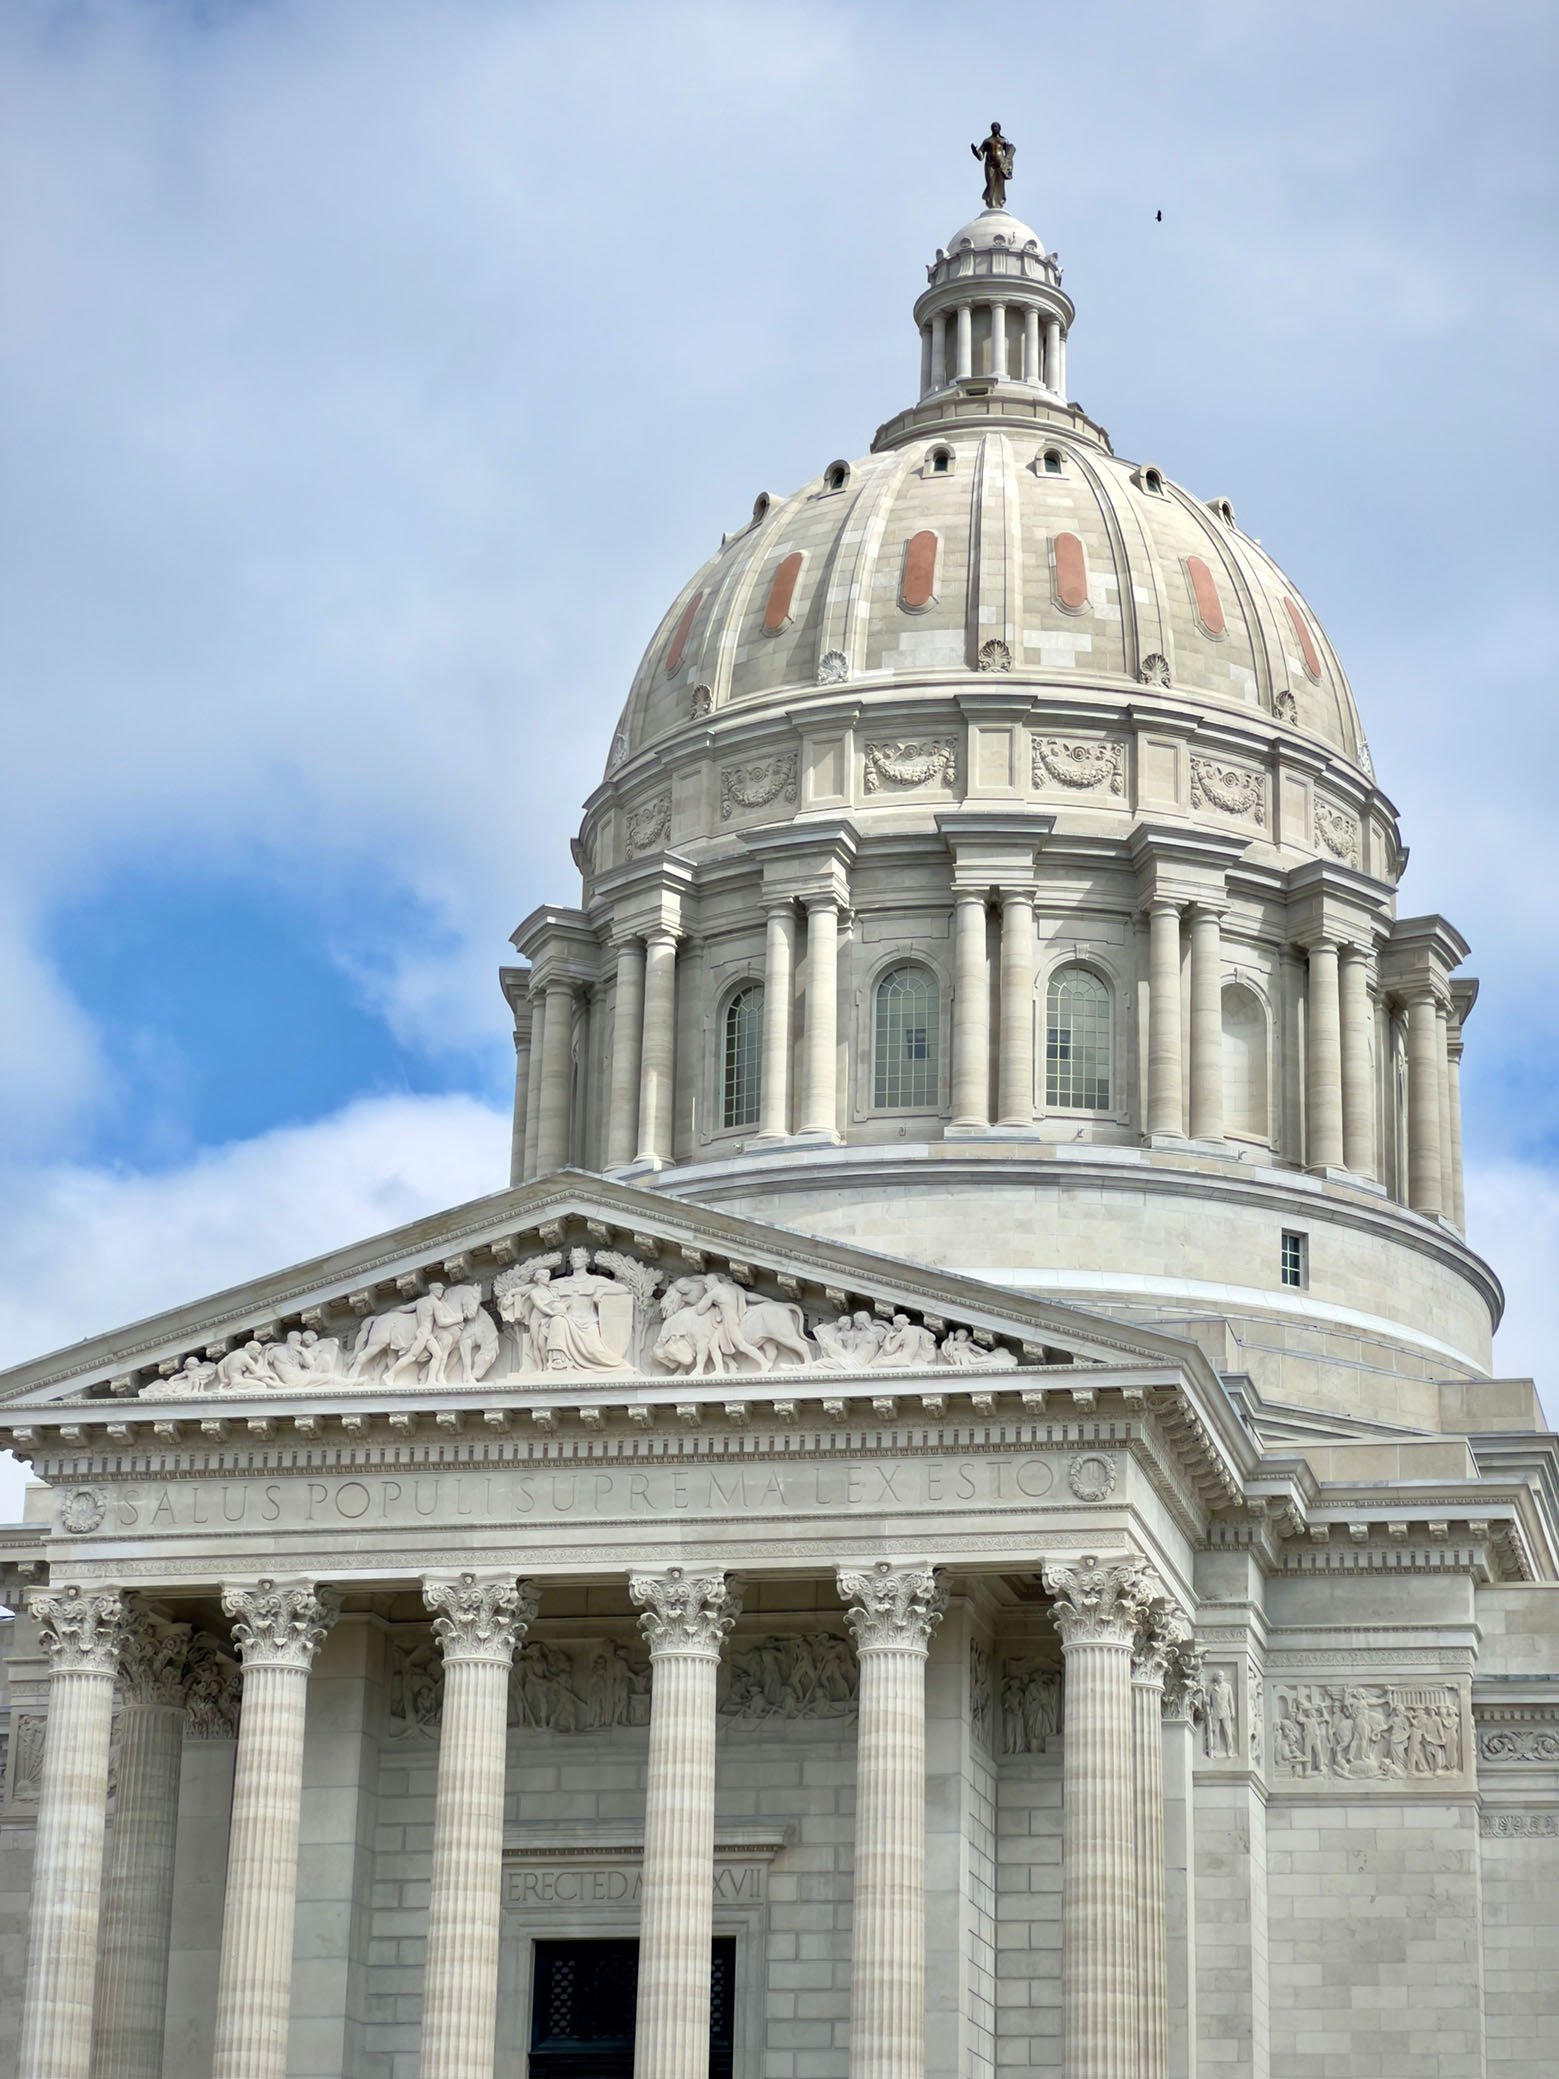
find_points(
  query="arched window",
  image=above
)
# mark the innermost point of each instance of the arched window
(1244, 1063)
(1053, 462)
(904, 1041)
(941, 461)
(741, 1057)
(1077, 1042)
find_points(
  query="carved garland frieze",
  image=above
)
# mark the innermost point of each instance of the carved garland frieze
(756, 785)
(1366, 1731)
(1080, 766)
(583, 1311)
(1337, 832)
(903, 763)
(1233, 790)
(650, 823)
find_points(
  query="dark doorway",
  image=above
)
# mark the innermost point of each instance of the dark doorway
(582, 2009)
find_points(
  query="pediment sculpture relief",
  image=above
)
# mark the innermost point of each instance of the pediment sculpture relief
(584, 1313)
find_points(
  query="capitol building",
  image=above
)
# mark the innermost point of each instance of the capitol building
(954, 1519)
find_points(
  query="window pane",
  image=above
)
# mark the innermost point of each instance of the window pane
(905, 1041)
(1077, 1042)
(742, 1059)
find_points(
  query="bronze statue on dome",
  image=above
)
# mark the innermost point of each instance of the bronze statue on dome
(998, 153)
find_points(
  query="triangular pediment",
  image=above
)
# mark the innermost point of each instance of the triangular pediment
(571, 1285)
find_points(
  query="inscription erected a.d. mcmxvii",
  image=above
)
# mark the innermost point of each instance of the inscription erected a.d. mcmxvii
(557, 1494)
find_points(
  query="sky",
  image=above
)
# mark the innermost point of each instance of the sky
(374, 372)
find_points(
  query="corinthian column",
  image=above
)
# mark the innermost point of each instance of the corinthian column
(278, 1631)
(1358, 1067)
(82, 1631)
(1206, 1024)
(479, 1622)
(971, 1015)
(820, 1094)
(1098, 1608)
(622, 1117)
(1323, 1039)
(1425, 1172)
(556, 1076)
(132, 1997)
(1166, 1108)
(892, 1611)
(1163, 1633)
(657, 1058)
(1015, 1062)
(779, 988)
(685, 1618)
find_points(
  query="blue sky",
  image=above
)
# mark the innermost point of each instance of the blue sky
(372, 373)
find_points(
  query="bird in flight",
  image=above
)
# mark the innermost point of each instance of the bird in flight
(1158, 216)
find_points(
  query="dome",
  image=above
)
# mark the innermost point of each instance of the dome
(1021, 554)
(995, 227)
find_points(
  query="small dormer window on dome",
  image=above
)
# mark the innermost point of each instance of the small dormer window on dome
(939, 461)
(836, 476)
(1224, 510)
(1050, 463)
(1149, 478)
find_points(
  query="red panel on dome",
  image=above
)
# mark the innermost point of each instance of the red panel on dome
(679, 635)
(918, 585)
(776, 615)
(1071, 571)
(1306, 640)
(1204, 590)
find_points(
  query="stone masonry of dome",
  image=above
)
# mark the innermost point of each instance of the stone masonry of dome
(989, 865)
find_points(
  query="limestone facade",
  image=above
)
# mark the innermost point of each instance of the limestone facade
(953, 1520)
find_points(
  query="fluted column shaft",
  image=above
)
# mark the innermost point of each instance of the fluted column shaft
(277, 1631)
(478, 1621)
(1457, 1194)
(999, 341)
(1206, 1025)
(557, 1074)
(939, 351)
(964, 349)
(892, 1611)
(1424, 1172)
(1165, 1092)
(1358, 1076)
(657, 1061)
(779, 989)
(820, 1098)
(1015, 1063)
(538, 1027)
(1163, 1634)
(622, 1116)
(1443, 1080)
(1055, 374)
(82, 1632)
(685, 1618)
(1097, 1612)
(1324, 1051)
(522, 1082)
(971, 1015)
(1031, 348)
(132, 1993)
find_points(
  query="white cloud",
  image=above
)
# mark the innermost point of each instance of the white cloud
(87, 1250)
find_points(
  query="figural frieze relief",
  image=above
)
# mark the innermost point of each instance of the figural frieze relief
(1030, 1707)
(1366, 1730)
(575, 1313)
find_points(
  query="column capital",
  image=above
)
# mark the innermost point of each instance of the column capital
(214, 1690)
(1163, 1631)
(82, 1628)
(683, 1612)
(154, 1660)
(1101, 1602)
(892, 1607)
(480, 1617)
(280, 1626)
(1183, 1689)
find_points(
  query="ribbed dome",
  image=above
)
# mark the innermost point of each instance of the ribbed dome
(1025, 550)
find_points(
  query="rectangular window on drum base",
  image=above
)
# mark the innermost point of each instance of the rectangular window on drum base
(582, 2009)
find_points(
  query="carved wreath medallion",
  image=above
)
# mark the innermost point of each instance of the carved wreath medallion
(1081, 766)
(1232, 789)
(1337, 832)
(754, 786)
(1091, 1477)
(911, 764)
(83, 1511)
